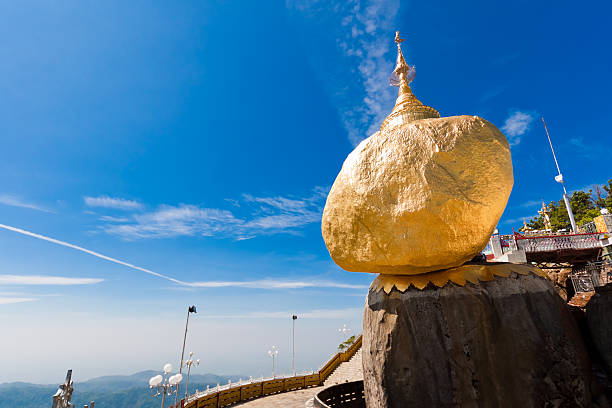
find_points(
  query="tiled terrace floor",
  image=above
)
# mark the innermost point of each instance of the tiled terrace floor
(292, 399)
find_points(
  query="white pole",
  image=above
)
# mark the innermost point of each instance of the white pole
(559, 179)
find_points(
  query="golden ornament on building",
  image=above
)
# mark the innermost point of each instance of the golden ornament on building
(422, 194)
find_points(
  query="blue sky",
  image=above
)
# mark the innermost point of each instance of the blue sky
(198, 141)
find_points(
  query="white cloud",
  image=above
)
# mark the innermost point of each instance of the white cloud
(358, 80)
(45, 280)
(15, 201)
(113, 203)
(88, 251)
(55, 280)
(110, 218)
(518, 220)
(276, 284)
(268, 215)
(170, 221)
(307, 314)
(516, 125)
(11, 300)
(532, 203)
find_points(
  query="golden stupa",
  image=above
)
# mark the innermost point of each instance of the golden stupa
(422, 194)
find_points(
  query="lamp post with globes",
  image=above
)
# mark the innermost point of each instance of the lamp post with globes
(189, 363)
(164, 385)
(273, 352)
(345, 331)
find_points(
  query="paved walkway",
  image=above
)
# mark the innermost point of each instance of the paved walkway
(349, 371)
(291, 399)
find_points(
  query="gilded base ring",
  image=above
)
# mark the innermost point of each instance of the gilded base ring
(472, 273)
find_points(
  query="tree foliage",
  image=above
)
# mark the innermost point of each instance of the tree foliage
(586, 205)
(347, 343)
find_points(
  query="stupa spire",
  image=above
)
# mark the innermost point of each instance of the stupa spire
(407, 106)
(402, 72)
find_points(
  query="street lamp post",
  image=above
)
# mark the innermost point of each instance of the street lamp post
(273, 352)
(164, 385)
(293, 319)
(189, 363)
(191, 309)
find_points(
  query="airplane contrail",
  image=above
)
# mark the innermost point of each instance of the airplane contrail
(87, 251)
(256, 284)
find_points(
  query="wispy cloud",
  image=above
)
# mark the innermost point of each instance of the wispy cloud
(518, 220)
(45, 280)
(268, 215)
(11, 300)
(15, 201)
(358, 80)
(112, 203)
(172, 221)
(110, 218)
(589, 149)
(492, 93)
(261, 284)
(88, 251)
(306, 314)
(531, 203)
(276, 284)
(516, 125)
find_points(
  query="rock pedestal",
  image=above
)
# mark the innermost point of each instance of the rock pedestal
(508, 342)
(599, 318)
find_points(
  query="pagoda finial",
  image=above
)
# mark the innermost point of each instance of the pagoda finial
(407, 106)
(398, 40)
(403, 73)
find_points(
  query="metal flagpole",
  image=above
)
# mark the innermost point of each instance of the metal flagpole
(559, 179)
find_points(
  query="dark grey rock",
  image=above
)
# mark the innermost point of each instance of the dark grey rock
(509, 342)
(599, 318)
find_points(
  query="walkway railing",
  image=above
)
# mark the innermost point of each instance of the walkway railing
(558, 242)
(229, 394)
(550, 242)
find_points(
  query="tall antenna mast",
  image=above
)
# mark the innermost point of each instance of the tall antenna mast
(559, 179)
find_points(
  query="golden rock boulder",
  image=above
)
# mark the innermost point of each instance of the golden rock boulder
(421, 196)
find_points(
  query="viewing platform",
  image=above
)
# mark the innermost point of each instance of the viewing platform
(287, 391)
(548, 247)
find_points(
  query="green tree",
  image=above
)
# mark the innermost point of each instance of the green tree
(558, 216)
(536, 223)
(346, 344)
(607, 202)
(583, 206)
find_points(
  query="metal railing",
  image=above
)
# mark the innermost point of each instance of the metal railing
(229, 394)
(345, 395)
(508, 243)
(549, 243)
(593, 274)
